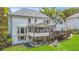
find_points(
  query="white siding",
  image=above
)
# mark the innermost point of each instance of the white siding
(59, 27)
(9, 25)
(18, 21)
(73, 23)
(70, 24)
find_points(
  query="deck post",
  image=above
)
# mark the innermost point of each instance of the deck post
(42, 42)
(33, 36)
(49, 34)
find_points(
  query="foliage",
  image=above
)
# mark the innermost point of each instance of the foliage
(75, 31)
(70, 11)
(54, 13)
(9, 39)
(62, 14)
(3, 22)
(59, 16)
(49, 11)
(3, 25)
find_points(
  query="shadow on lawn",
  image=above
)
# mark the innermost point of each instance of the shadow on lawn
(27, 45)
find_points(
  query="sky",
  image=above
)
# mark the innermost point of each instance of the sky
(13, 9)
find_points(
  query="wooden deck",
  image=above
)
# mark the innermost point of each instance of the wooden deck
(49, 39)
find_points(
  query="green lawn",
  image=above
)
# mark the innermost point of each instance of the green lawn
(67, 45)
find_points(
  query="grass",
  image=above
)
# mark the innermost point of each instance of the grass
(72, 44)
(67, 45)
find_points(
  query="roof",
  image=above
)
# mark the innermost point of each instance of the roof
(73, 16)
(29, 12)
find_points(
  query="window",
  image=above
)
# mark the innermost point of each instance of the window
(44, 21)
(22, 30)
(18, 30)
(35, 20)
(47, 21)
(40, 30)
(21, 38)
(29, 20)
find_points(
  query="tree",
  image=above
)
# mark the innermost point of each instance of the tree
(3, 24)
(48, 11)
(54, 13)
(70, 11)
(59, 15)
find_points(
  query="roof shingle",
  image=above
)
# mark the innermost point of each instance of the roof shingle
(29, 12)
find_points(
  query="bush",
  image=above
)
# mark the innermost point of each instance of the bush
(9, 40)
(5, 42)
(8, 36)
(75, 31)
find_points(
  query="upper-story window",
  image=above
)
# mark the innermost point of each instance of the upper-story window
(35, 20)
(46, 21)
(22, 30)
(29, 20)
(18, 30)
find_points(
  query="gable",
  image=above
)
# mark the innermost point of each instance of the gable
(29, 13)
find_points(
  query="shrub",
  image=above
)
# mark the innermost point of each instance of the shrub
(5, 42)
(8, 36)
(75, 31)
(9, 40)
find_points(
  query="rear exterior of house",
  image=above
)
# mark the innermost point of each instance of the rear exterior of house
(25, 25)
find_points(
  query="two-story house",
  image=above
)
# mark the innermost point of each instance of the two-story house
(25, 25)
